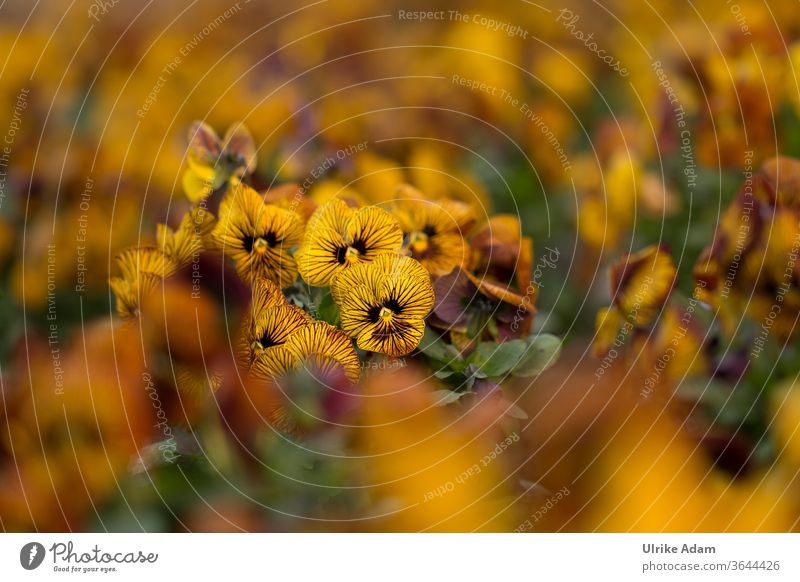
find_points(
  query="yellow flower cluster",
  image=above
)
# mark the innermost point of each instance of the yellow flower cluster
(377, 263)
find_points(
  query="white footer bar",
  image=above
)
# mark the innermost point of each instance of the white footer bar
(416, 557)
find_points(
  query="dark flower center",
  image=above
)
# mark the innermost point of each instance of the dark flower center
(267, 342)
(351, 252)
(394, 306)
(269, 239)
(341, 254)
(360, 246)
(387, 311)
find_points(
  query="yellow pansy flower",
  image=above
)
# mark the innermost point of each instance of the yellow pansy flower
(434, 232)
(338, 237)
(325, 348)
(181, 245)
(271, 331)
(385, 311)
(268, 325)
(258, 236)
(316, 345)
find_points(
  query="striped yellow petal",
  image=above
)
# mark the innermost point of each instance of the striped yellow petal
(338, 237)
(321, 256)
(396, 338)
(371, 232)
(321, 343)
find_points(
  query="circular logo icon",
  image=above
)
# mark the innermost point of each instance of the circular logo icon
(31, 555)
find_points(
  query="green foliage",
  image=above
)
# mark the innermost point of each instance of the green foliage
(326, 308)
(543, 350)
(497, 360)
(525, 358)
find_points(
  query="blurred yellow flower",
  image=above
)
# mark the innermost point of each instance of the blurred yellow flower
(190, 238)
(608, 323)
(143, 268)
(377, 178)
(437, 470)
(212, 162)
(649, 477)
(641, 283)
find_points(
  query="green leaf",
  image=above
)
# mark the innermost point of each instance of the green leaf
(221, 176)
(434, 347)
(479, 374)
(477, 324)
(491, 326)
(498, 359)
(444, 397)
(327, 310)
(542, 351)
(457, 363)
(469, 382)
